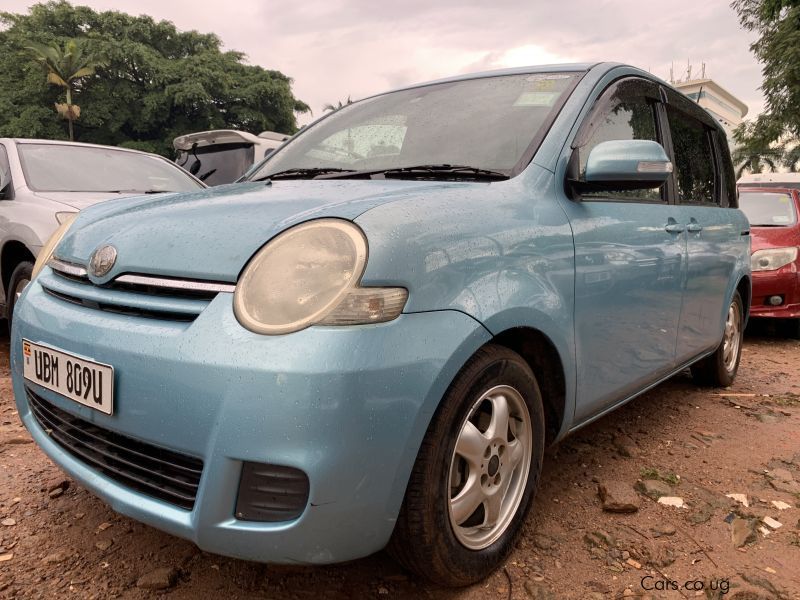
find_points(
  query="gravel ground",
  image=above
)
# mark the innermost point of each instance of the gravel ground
(57, 540)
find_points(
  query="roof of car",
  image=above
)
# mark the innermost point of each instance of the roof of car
(81, 144)
(753, 178)
(531, 69)
(767, 190)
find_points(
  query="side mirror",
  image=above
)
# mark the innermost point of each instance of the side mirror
(629, 164)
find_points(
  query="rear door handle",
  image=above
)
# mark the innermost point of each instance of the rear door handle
(673, 227)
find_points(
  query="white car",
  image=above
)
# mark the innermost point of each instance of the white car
(42, 182)
(223, 155)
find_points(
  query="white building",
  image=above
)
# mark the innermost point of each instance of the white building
(723, 106)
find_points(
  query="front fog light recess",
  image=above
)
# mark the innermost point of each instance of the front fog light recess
(309, 275)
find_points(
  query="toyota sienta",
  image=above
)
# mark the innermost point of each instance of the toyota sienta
(370, 342)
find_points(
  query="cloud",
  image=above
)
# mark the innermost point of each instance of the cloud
(339, 48)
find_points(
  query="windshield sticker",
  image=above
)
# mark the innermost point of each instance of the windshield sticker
(547, 76)
(537, 99)
(780, 219)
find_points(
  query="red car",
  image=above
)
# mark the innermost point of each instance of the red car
(775, 232)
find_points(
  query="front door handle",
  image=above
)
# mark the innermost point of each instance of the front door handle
(694, 226)
(673, 227)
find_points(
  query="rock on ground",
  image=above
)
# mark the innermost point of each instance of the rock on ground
(618, 497)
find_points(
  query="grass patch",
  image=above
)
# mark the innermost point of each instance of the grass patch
(787, 399)
(667, 477)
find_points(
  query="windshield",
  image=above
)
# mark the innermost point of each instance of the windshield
(217, 164)
(768, 209)
(68, 168)
(485, 123)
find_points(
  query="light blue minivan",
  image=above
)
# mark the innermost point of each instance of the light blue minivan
(371, 341)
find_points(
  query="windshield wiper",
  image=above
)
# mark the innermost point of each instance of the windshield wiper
(303, 173)
(440, 171)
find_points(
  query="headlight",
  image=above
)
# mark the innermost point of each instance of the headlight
(46, 253)
(772, 258)
(310, 275)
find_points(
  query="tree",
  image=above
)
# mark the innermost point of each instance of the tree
(65, 67)
(777, 48)
(156, 82)
(328, 107)
(753, 153)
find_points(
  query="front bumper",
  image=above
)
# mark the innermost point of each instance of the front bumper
(348, 406)
(784, 282)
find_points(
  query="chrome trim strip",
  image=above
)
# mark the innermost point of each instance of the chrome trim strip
(159, 282)
(176, 284)
(68, 268)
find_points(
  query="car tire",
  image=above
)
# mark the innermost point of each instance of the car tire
(719, 369)
(431, 537)
(20, 277)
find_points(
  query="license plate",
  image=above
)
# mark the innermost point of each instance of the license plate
(85, 381)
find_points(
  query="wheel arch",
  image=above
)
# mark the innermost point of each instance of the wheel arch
(541, 355)
(745, 289)
(13, 253)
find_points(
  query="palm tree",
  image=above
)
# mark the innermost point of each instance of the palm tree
(754, 149)
(64, 68)
(337, 106)
(756, 159)
(791, 159)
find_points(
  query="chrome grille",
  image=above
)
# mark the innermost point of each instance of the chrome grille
(165, 298)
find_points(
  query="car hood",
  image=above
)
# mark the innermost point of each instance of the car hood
(81, 200)
(211, 234)
(774, 237)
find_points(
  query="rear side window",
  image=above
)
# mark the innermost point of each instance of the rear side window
(695, 174)
(626, 111)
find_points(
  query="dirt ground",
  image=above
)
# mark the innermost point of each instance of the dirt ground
(701, 444)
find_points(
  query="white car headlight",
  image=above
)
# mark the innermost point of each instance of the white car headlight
(310, 275)
(46, 253)
(771, 259)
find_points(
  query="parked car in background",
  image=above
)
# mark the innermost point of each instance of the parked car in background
(775, 231)
(44, 183)
(765, 180)
(373, 339)
(223, 155)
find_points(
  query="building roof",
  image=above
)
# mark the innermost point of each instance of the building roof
(710, 84)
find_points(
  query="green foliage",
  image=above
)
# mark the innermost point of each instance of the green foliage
(334, 107)
(755, 153)
(763, 142)
(65, 67)
(154, 83)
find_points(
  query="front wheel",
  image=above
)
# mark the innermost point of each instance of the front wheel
(719, 369)
(476, 472)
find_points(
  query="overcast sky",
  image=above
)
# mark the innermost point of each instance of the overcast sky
(339, 48)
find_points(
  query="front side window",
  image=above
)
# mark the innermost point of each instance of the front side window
(5, 170)
(68, 168)
(694, 159)
(625, 112)
(768, 209)
(486, 123)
